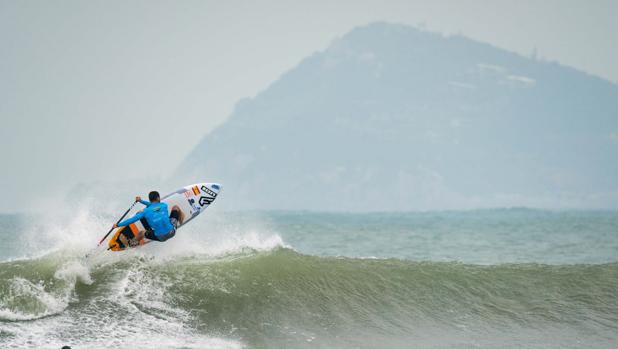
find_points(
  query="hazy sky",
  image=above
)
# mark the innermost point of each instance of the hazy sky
(105, 90)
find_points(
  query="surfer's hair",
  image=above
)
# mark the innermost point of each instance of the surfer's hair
(154, 196)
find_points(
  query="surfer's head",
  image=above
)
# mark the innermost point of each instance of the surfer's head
(153, 196)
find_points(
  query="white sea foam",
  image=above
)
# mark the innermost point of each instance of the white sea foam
(147, 333)
(129, 311)
(74, 271)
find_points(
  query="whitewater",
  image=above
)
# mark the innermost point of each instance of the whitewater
(508, 278)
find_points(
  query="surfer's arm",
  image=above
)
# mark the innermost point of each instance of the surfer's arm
(133, 219)
(143, 202)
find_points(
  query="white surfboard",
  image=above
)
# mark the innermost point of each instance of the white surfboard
(190, 201)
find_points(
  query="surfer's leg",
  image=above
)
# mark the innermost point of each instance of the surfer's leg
(140, 236)
(127, 241)
(123, 239)
(150, 235)
(175, 218)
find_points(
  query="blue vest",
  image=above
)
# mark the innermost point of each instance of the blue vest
(158, 218)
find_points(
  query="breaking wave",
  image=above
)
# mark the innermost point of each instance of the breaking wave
(273, 295)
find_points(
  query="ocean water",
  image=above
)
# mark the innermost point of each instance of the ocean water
(504, 278)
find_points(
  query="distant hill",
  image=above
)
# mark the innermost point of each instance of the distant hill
(393, 118)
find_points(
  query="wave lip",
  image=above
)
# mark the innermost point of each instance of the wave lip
(33, 289)
(28, 301)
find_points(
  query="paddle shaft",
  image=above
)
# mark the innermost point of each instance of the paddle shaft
(121, 218)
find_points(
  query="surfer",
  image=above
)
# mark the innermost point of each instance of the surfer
(159, 226)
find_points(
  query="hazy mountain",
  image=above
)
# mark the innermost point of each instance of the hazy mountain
(391, 117)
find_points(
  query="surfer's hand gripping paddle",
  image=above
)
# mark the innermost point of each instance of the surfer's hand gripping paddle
(116, 225)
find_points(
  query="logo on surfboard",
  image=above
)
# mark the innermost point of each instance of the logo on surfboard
(208, 191)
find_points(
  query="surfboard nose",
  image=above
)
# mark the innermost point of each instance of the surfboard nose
(216, 186)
